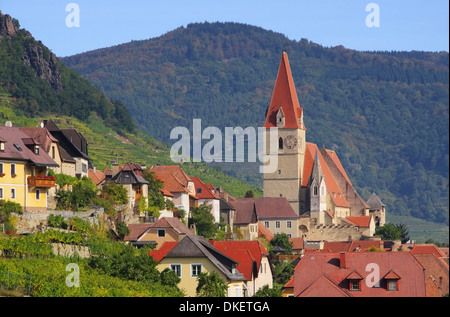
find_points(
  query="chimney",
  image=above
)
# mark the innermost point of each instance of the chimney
(211, 241)
(349, 238)
(115, 168)
(342, 263)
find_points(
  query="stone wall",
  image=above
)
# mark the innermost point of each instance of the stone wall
(31, 222)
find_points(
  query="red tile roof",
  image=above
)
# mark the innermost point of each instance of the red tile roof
(174, 178)
(360, 221)
(317, 265)
(427, 249)
(332, 187)
(159, 254)
(173, 223)
(284, 95)
(205, 189)
(96, 176)
(244, 252)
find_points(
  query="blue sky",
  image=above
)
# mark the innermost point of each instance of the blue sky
(403, 25)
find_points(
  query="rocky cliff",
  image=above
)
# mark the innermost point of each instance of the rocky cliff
(35, 55)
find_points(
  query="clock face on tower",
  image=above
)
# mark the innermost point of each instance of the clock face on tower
(290, 142)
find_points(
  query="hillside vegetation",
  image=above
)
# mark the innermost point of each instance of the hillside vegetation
(385, 113)
(44, 88)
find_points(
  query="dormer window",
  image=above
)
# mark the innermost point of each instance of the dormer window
(36, 149)
(2, 146)
(354, 281)
(354, 285)
(392, 280)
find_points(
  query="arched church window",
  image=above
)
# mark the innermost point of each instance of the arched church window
(315, 190)
(280, 143)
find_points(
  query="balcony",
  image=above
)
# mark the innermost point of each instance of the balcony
(41, 181)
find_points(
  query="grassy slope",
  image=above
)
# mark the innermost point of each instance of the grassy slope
(105, 144)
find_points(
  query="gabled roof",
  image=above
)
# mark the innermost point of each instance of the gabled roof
(197, 246)
(65, 141)
(332, 187)
(427, 249)
(390, 264)
(96, 176)
(360, 221)
(41, 136)
(173, 223)
(159, 254)
(374, 202)
(129, 174)
(174, 178)
(248, 253)
(284, 95)
(16, 148)
(265, 208)
(205, 189)
(136, 230)
(324, 286)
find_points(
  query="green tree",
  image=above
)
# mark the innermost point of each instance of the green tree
(282, 240)
(117, 192)
(389, 232)
(169, 277)
(265, 291)
(210, 285)
(203, 220)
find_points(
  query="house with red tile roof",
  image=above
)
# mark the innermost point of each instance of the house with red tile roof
(359, 274)
(179, 184)
(313, 181)
(205, 193)
(166, 229)
(253, 260)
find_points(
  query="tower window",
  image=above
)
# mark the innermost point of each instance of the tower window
(315, 190)
(280, 143)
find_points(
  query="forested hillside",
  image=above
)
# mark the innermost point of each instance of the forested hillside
(35, 85)
(385, 113)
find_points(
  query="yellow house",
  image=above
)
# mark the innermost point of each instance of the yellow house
(194, 255)
(23, 170)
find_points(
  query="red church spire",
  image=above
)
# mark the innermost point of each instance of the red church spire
(284, 95)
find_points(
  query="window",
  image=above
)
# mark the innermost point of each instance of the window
(1, 169)
(176, 268)
(53, 152)
(266, 224)
(279, 172)
(38, 194)
(1, 193)
(277, 224)
(280, 143)
(354, 285)
(13, 170)
(36, 149)
(2, 146)
(392, 285)
(196, 269)
(289, 224)
(237, 291)
(315, 190)
(13, 193)
(161, 233)
(199, 190)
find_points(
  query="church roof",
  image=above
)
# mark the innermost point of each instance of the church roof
(284, 95)
(374, 202)
(332, 187)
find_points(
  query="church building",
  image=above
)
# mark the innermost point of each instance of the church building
(313, 180)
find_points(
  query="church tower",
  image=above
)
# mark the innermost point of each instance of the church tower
(284, 112)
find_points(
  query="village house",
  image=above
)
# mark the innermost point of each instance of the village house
(73, 148)
(359, 274)
(275, 213)
(130, 177)
(179, 184)
(194, 255)
(205, 193)
(23, 170)
(166, 229)
(254, 263)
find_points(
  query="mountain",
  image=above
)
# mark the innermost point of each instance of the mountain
(40, 84)
(35, 85)
(385, 113)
